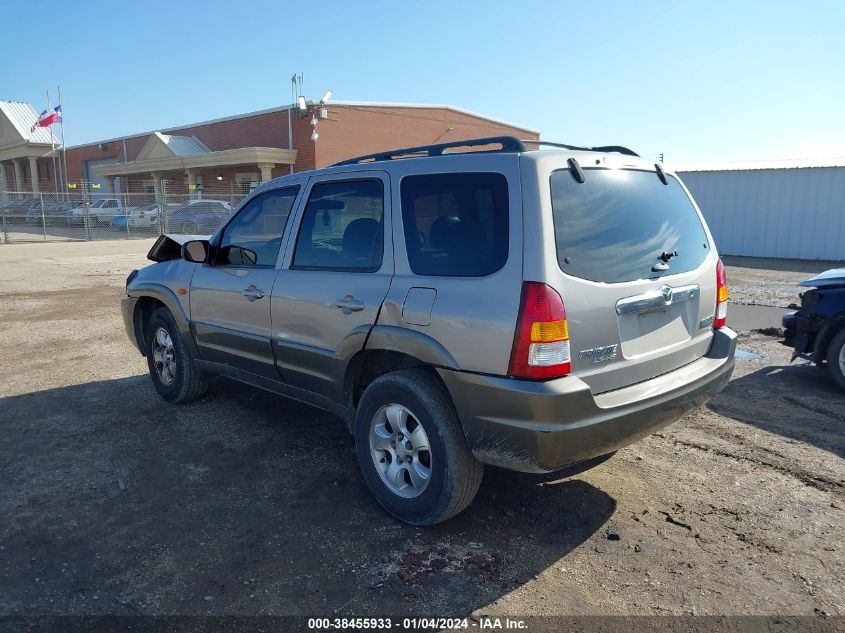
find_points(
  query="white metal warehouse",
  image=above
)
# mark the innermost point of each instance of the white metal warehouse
(785, 208)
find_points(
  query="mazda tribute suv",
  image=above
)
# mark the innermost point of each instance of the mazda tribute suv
(457, 305)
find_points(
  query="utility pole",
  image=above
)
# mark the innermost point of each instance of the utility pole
(56, 177)
(62, 125)
(295, 88)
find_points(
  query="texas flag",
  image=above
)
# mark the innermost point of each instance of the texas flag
(48, 117)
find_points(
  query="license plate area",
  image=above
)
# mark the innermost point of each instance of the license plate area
(657, 320)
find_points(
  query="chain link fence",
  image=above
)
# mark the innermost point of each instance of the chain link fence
(83, 214)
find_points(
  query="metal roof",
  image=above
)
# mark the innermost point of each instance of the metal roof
(183, 145)
(22, 116)
(749, 165)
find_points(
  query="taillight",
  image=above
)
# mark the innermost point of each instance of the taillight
(141, 214)
(541, 342)
(721, 297)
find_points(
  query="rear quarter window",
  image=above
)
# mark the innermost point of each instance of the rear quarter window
(456, 225)
(615, 226)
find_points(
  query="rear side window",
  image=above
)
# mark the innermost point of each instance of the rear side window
(342, 227)
(615, 226)
(456, 225)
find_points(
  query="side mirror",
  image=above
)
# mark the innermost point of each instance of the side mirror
(196, 251)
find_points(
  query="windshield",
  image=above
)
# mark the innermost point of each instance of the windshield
(619, 224)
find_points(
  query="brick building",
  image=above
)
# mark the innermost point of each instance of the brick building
(240, 150)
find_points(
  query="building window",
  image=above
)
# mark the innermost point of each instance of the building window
(246, 181)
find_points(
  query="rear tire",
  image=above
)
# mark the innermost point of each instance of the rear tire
(170, 363)
(453, 473)
(188, 228)
(836, 359)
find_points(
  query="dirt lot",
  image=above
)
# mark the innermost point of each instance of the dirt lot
(770, 282)
(114, 502)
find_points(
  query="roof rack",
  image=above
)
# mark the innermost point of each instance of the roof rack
(509, 144)
(618, 149)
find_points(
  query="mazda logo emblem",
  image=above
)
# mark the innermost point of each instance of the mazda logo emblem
(666, 292)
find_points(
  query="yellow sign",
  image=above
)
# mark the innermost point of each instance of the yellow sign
(71, 185)
(192, 186)
(95, 185)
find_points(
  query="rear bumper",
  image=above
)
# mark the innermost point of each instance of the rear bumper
(543, 426)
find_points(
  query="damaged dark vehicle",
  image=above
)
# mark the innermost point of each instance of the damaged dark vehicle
(816, 330)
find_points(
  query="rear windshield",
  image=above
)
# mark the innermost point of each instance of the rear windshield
(615, 226)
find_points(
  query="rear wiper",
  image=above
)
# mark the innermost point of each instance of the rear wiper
(663, 265)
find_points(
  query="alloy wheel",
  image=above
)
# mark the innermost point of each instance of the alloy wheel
(842, 360)
(164, 357)
(400, 451)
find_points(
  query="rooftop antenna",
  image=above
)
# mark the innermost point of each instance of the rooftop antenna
(324, 113)
(295, 90)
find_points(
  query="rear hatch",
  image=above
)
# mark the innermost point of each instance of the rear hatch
(636, 271)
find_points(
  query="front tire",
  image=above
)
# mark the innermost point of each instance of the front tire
(836, 359)
(411, 449)
(170, 363)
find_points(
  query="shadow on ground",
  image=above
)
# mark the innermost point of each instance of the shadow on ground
(799, 402)
(243, 503)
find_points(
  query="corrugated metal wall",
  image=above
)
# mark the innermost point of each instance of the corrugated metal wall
(791, 213)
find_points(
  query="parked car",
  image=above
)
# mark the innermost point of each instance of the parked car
(16, 204)
(27, 210)
(54, 212)
(104, 210)
(15, 211)
(57, 212)
(816, 328)
(145, 217)
(198, 216)
(101, 212)
(31, 211)
(76, 213)
(530, 310)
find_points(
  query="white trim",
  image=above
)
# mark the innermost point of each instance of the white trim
(222, 158)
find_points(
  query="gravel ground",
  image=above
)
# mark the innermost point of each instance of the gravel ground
(770, 282)
(243, 502)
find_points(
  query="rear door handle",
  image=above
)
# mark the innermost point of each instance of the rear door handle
(252, 293)
(349, 304)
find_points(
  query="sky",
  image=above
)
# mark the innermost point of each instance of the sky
(702, 81)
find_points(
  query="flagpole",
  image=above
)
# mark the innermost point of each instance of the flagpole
(62, 124)
(56, 176)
